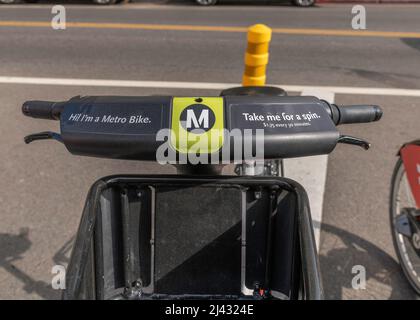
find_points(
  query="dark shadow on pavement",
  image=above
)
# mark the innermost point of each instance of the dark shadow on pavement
(413, 43)
(12, 248)
(337, 263)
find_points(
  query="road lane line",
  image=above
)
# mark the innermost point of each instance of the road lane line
(115, 83)
(178, 27)
(359, 90)
(199, 85)
(346, 33)
(311, 173)
(141, 26)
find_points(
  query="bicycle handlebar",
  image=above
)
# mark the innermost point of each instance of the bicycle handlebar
(131, 127)
(348, 114)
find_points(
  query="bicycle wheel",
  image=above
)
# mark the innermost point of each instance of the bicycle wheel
(407, 248)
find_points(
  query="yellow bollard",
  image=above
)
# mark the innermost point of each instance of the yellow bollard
(256, 56)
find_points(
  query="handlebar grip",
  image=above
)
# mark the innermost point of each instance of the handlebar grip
(43, 109)
(358, 114)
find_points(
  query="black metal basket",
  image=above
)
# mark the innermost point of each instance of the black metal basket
(154, 237)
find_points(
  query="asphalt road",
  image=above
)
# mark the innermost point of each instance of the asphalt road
(42, 189)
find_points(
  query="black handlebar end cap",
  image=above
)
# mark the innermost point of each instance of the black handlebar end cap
(378, 113)
(39, 109)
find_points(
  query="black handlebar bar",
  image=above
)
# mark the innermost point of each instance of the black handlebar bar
(128, 127)
(339, 114)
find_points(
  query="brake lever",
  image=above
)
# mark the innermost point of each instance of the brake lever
(43, 136)
(354, 141)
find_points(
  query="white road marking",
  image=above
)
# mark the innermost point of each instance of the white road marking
(357, 90)
(201, 85)
(311, 173)
(116, 83)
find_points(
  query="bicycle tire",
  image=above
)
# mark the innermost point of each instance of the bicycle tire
(398, 239)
